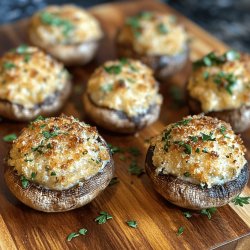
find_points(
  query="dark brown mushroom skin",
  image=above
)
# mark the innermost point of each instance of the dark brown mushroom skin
(238, 118)
(162, 65)
(118, 121)
(192, 196)
(46, 200)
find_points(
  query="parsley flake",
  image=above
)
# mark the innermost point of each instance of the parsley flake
(180, 231)
(9, 138)
(72, 235)
(187, 214)
(132, 223)
(187, 147)
(209, 212)
(134, 151)
(187, 174)
(114, 149)
(241, 201)
(103, 217)
(9, 65)
(162, 28)
(25, 182)
(134, 169)
(114, 181)
(206, 137)
(184, 122)
(113, 69)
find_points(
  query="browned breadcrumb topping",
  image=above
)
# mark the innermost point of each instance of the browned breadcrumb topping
(60, 152)
(222, 86)
(28, 76)
(199, 149)
(126, 85)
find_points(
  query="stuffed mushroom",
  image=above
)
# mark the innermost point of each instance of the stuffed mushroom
(157, 40)
(220, 86)
(58, 164)
(31, 84)
(122, 96)
(198, 163)
(67, 32)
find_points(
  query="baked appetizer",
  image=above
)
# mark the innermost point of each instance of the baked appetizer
(67, 32)
(58, 164)
(122, 96)
(197, 163)
(31, 84)
(156, 39)
(220, 86)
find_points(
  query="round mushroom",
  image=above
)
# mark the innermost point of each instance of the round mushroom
(58, 164)
(67, 32)
(31, 84)
(197, 163)
(157, 40)
(220, 86)
(122, 96)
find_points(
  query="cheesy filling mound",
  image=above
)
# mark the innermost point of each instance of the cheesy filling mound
(65, 24)
(199, 149)
(58, 153)
(124, 85)
(221, 82)
(153, 33)
(28, 76)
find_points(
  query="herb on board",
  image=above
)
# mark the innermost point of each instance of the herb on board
(180, 231)
(114, 181)
(103, 217)
(187, 214)
(209, 212)
(132, 223)
(81, 231)
(134, 169)
(114, 149)
(134, 151)
(241, 201)
(9, 137)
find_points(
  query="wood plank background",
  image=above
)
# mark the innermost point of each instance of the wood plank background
(132, 198)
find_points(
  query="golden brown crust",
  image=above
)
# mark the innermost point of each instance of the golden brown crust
(193, 196)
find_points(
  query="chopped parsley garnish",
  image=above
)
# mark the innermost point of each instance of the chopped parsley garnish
(48, 134)
(81, 231)
(206, 75)
(209, 212)
(33, 175)
(183, 122)
(134, 169)
(53, 173)
(197, 150)
(162, 28)
(9, 138)
(193, 138)
(212, 59)
(209, 137)
(22, 49)
(187, 147)
(114, 181)
(38, 148)
(103, 217)
(187, 214)
(28, 160)
(187, 174)
(132, 223)
(124, 61)
(53, 20)
(180, 231)
(39, 118)
(225, 80)
(114, 149)
(241, 201)
(9, 65)
(24, 181)
(107, 87)
(223, 130)
(134, 151)
(113, 69)
(205, 150)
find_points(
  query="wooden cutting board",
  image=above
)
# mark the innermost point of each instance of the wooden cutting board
(133, 198)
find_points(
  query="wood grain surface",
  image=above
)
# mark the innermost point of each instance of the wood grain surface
(133, 198)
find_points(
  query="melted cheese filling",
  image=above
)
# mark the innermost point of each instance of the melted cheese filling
(202, 86)
(154, 34)
(199, 149)
(65, 25)
(126, 86)
(58, 153)
(28, 78)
